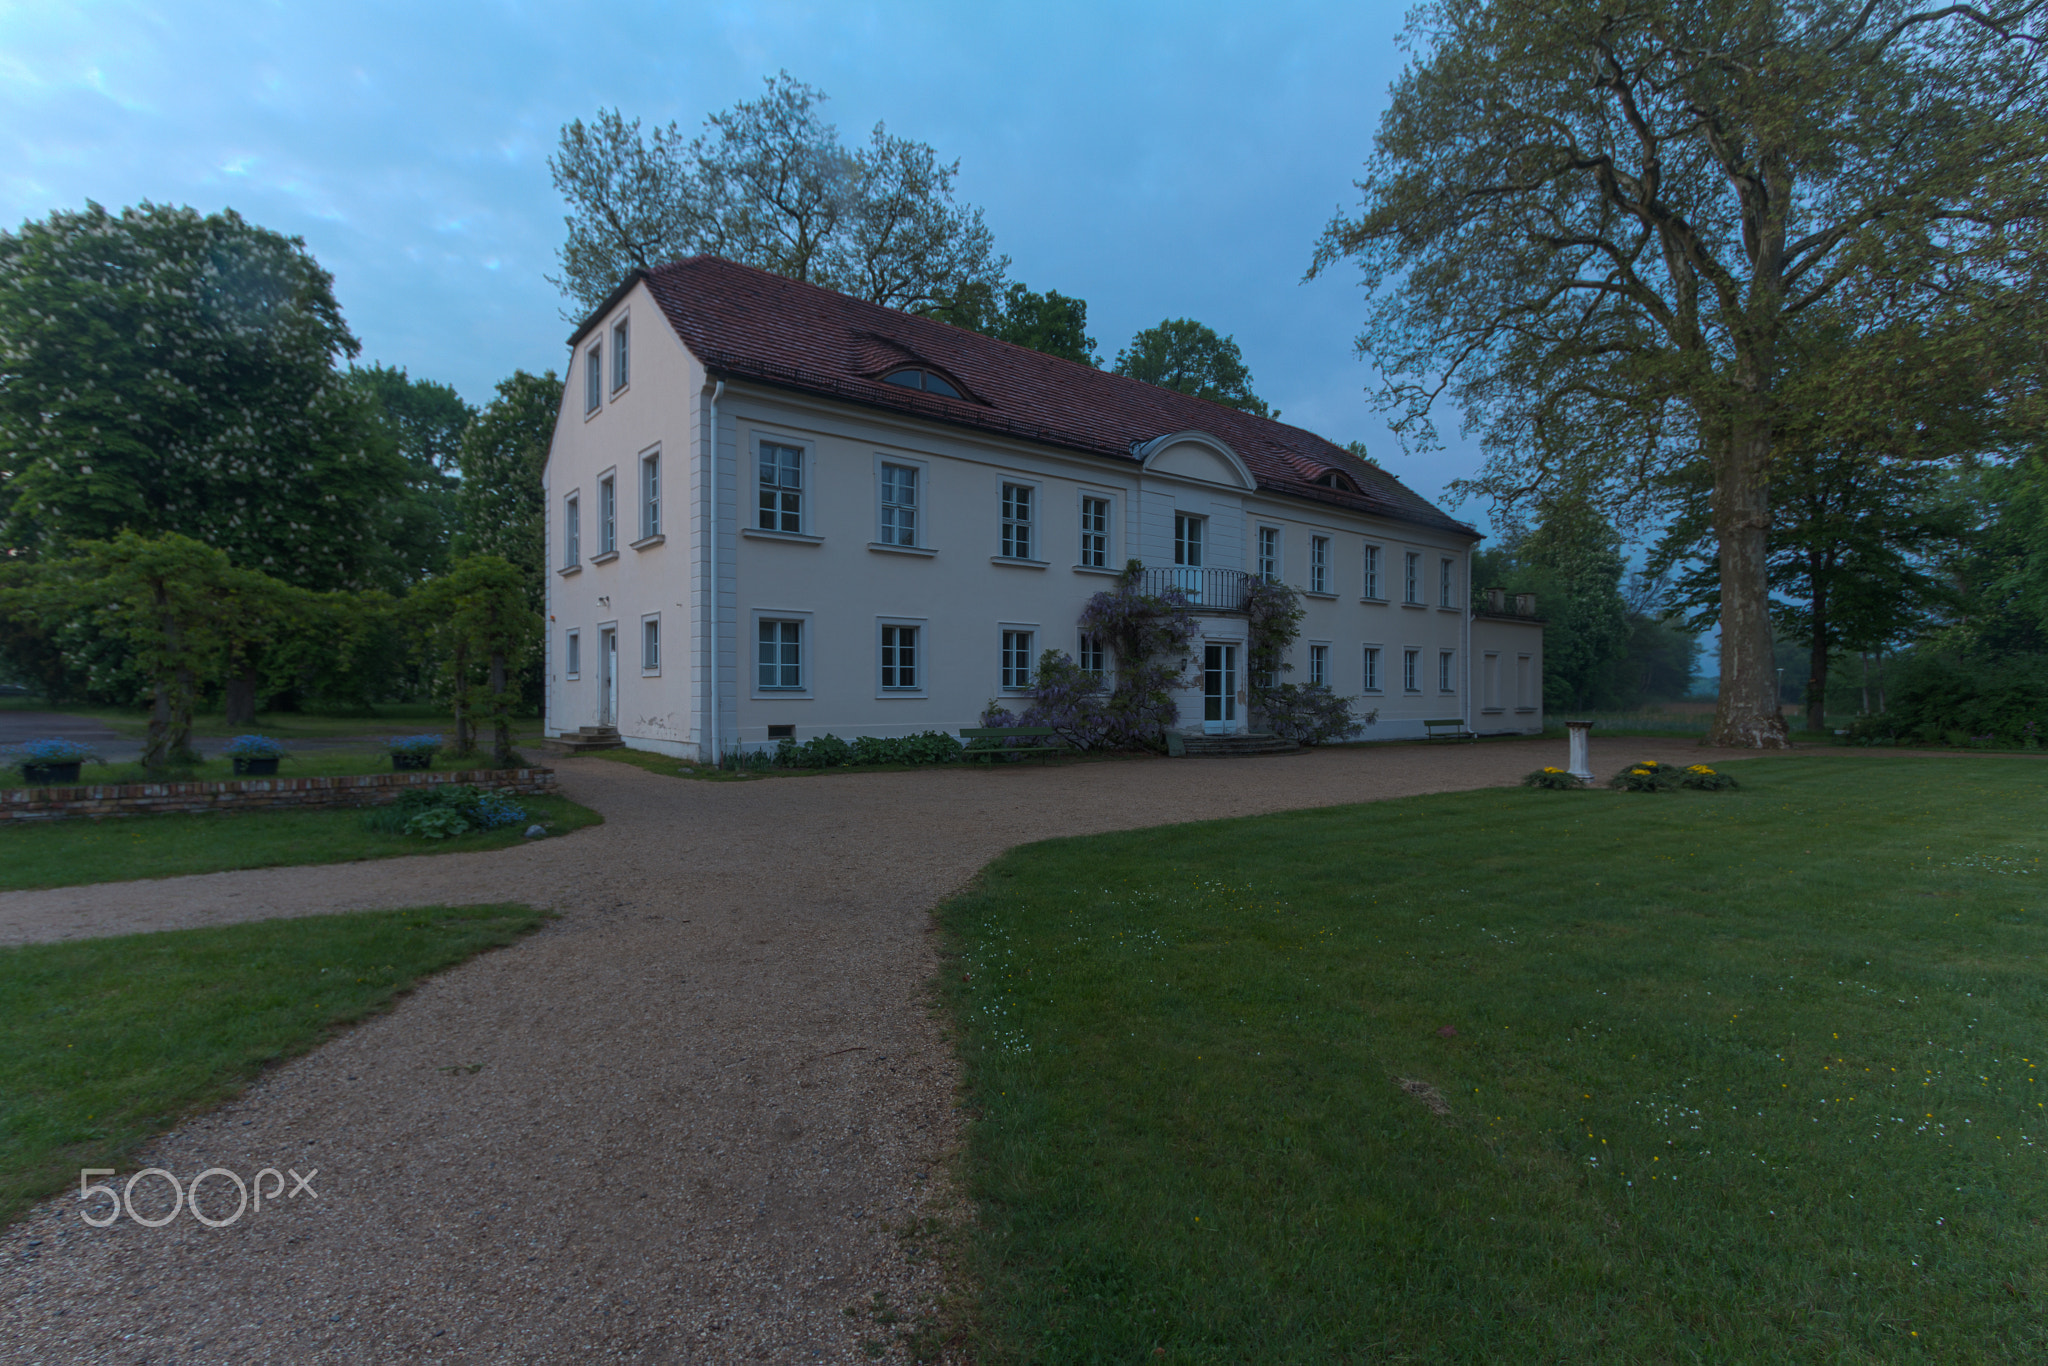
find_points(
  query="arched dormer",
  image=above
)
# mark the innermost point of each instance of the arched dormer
(1195, 455)
(1338, 480)
(924, 378)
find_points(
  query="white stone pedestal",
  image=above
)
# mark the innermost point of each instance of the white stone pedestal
(1580, 765)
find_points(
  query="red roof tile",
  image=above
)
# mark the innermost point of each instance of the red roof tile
(744, 323)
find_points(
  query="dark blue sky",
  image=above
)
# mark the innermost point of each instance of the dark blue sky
(1159, 160)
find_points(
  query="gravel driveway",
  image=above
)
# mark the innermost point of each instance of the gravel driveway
(680, 1124)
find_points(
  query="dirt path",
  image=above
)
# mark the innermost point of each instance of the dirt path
(677, 1125)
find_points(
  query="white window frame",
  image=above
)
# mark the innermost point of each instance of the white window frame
(803, 464)
(1369, 669)
(1091, 655)
(1489, 681)
(650, 645)
(650, 494)
(1445, 581)
(1270, 553)
(1411, 578)
(1005, 677)
(1411, 669)
(1107, 533)
(572, 653)
(1189, 533)
(1319, 662)
(920, 473)
(622, 355)
(1017, 535)
(1447, 672)
(804, 646)
(572, 529)
(608, 512)
(920, 657)
(1527, 683)
(1370, 562)
(1319, 564)
(593, 379)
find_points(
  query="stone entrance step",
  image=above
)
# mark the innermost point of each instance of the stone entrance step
(1198, 746)
(590, 738)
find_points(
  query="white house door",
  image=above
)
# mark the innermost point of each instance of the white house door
(1219, 689)
(608, 661)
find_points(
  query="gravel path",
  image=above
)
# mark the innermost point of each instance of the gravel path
(681, 1124)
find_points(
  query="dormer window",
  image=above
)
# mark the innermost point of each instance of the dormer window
(927, 380)
(1331, 479)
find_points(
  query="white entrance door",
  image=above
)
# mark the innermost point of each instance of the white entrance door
(608, 662)
(1219, 689)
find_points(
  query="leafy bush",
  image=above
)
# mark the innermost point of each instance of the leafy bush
(829, 751)
(1647, 776)
(253, 747)
(1310, 714)
(1700, 778)
(437, 823)
(1555, 779)
(444, 811)
(1937, 698)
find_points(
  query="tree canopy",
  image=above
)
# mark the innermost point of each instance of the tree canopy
(504, 452)
(1188, 356)
(768, 183)
(1050, 322)
(421, 422)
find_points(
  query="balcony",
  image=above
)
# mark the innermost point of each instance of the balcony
(1208, 590)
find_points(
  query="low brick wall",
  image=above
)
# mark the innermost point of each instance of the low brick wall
(254, 794)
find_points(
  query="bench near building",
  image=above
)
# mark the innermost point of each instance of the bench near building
(778, 511)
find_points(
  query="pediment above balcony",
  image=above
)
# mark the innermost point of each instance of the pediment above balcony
(1195, 455)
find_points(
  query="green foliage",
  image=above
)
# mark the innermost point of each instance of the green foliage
(443, 811)
(1554, 780)
(504, 453)
(479, 614)
(1647, 776)
(829, 751)
(1049, 322)
(1700, 778)
(1187, 356)
(1943, 697)
(1572, 562)
(421, 423)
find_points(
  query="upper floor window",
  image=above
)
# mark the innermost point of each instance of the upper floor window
(650, 494)
(1372, 572)
(1017, 521)
(1444, 576)
(1412, 582)
(899, 506)
(1095, 533)
(1331, 479)
(593, 378)
(1319, 564)
(1269, 553)
(1187, 540)
(572, 531)
(781, 488)
(620, 356)
(607, 515)
(927, 380)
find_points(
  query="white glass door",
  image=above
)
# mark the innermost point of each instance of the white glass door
(1219, 689)
(608, 660)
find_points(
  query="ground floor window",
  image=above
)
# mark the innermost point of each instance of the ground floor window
(1446, 679)
(650, 644)
(1017, 660)
(1372, 668)
(899, 657)
(781, 657)
(572, 654)
(1410, 660)
(1091, 657)
(1319, 664)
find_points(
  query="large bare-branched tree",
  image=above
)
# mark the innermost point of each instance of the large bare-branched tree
(1599, 226)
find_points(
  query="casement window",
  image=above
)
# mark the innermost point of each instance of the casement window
(1319, 664)
(572, 654)
(1410, 662)
(1444, 576)
(1412, 578)
(1187, 540)
(1017, 660)
(1490, 682)
(1446, 680)
(1094, 533)
(779, 658)
(650, 494)
(899, 505)
(1525, 692)
(1269, 553)
(1090, 656)
(650, 645)
(1319, 564)
(899, 659)
(1372, 572)
(607, 515)
(593, 378)
(781, 488)
(1372, 668)
(1017, 521)
(620, 356)
(572, 532)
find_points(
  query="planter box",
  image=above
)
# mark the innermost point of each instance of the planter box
(401, 762)
(256, 768)
(51, 773)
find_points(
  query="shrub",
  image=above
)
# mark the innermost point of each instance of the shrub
(253, 747)
(1554, 779)
(1945, 698)
(829, 751)
(444, 811)
(1310, 714)
(1647, 776)
(1700, 778)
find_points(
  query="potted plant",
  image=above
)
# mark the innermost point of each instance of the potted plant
(254, 755)
(413, 751)
(50, 761)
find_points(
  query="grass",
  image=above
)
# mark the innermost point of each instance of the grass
(1724, 1077)
(71, 852)
(105, 1043)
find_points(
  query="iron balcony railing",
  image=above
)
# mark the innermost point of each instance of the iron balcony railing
(1212, 590)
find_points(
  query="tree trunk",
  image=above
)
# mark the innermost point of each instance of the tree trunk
(183, 695)
(1746, 716)
(156, 746)
(240, 692)
(463, 743)
(501, 714)
(1865, 711)
(1817, 660)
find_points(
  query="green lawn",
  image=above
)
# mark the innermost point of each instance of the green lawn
(69, 852)
(1747, 1076)
(105, 1043)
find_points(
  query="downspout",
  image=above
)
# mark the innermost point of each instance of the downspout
(711, 464)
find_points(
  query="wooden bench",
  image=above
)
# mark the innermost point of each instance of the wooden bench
(1447, 728)
(994, 750)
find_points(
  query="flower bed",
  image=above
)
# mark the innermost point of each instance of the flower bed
(254, 794)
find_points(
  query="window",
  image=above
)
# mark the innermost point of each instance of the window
(899, 508)
(1091, 657)
(1444, 680)
(1443, 584)
(650, 645)
(1331, 479)
(1016, 660)
(781, 657)
(1490, 676)
(1269, 553)
(1525, 696)
(782, 488)
(899, 658)
(1187, 540)
(572, 532)
(650, 495)
(1409, 664)
(1412, 584)
(1319, 564)
(593, 379)
(1318, 664)
(1095, 533)
(1372, 572)
(572, 654)
(619, 356)
(927, 380)
(607, 515)
(1017, 521)
(1372, 668)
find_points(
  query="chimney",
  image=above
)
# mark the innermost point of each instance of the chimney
(1496, 599)
(1525, 604)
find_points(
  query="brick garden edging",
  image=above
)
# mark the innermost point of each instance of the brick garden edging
(254, 794)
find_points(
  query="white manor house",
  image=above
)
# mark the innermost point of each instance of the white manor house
(775, 511)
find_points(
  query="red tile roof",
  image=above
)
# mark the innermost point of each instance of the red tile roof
(744, 323)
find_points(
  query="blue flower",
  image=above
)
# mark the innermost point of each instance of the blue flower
(413, 744)
(252, 747)
(54, 751)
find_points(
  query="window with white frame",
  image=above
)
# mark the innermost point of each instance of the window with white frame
(607, 515)
(1372, 572)
(1090, 657)
(781, 487)
(572, 653)
(650, 494)
(1410, 662)
(572, 532)
(1491, 675)
(650, 645)
(1446, 681)
(1094, 532)
(620, 356)
(899, 659)
(1319, 564)
(1372, 668)
(779, 657)
(1187, 540)
(1269, 553)
(1017, 660)
(1017, 521)
(1412, 578)
(1525, 693)
(593, 378)
(1444, 578)
(1319, 664)
(899, 505)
